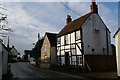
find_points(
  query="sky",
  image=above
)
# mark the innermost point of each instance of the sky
(27, 19)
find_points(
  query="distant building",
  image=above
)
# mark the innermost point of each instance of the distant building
(27, 54)
(13, 52)
(117, 44)
(85, 42)
(48, 50)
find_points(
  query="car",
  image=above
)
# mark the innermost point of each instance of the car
(32, 61)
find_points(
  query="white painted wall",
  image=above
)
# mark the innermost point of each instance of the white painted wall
(5, 61)
(117, 43)
(0, 59)
(94, 39)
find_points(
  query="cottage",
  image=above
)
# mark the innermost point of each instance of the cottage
(84, 42)
(48, 50)
(117, 44)
(13, 52)
(27, 54)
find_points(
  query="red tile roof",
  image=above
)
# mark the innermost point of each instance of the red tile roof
(74, 25)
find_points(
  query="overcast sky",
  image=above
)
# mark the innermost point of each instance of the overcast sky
(27, 19)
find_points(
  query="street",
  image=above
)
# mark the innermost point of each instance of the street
(24, 70)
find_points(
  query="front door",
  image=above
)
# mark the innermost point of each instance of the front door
(67, 59)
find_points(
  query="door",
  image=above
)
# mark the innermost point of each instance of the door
(67, 61)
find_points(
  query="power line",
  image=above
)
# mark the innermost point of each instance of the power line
(68, 8)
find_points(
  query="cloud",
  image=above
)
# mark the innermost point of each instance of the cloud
(27, 19)
(56, 0)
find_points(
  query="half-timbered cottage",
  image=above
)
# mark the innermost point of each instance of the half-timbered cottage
(48, 50)
(83, 41)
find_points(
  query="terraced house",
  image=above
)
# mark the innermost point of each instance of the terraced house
(85, 42)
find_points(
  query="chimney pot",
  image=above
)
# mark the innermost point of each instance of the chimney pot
(68, 19)
(94, 7)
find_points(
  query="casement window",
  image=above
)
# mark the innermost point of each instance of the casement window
(66, 39)
(73, 51)
(79, 60)
(78, 36)
(58, 40)
(73, 60)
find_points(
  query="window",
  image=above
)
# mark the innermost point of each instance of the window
(73, 52)
(79, 60)
(78, 36)
(58, 40)
(45, 59)
(66, 39)
(73, 60)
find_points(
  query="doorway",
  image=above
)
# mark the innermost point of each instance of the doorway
(67, 61)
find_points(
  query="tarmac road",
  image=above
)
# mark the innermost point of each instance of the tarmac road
(24, 70)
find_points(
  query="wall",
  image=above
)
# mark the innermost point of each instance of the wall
(0, 59)
(101, 62)
(45, 51)
(94, 36)
(117, 43)
(5, 61)
(53, 56)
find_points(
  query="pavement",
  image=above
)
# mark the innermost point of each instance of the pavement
(101, 75)
(97, 75)
(108, 75)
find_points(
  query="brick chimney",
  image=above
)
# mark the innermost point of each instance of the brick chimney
(94, 7)
(68, 19)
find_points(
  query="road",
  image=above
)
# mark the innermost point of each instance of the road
(24, 70)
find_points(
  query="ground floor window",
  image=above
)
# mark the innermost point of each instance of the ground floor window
(73, 60)
(79, 60)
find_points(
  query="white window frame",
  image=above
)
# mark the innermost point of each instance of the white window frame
(77, 35)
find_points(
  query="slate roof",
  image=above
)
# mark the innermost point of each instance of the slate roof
(52, 38)
(74, 25)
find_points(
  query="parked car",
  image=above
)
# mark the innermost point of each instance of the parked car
(32, 61)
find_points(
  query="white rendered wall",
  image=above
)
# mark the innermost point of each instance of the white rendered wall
(117, 43)
(94, 41)
(0, 59)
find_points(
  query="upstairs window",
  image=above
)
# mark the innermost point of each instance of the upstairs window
(58, 40)
(66, 39)
(78, 36)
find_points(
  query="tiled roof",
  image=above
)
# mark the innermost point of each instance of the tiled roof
(74, 25)
(52, 38)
